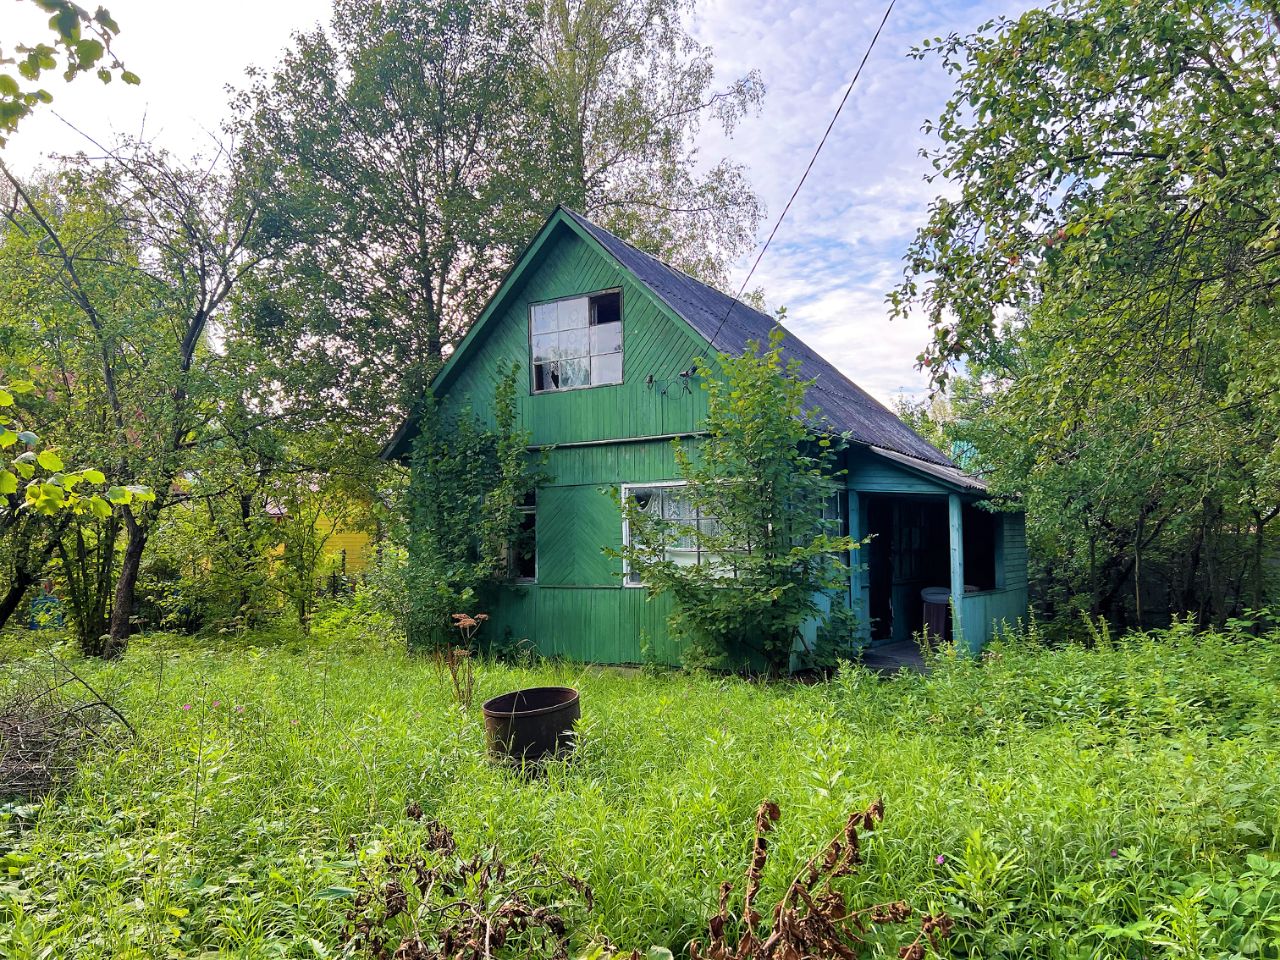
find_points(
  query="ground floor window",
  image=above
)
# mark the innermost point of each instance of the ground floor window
(667, 502)
(522, 555)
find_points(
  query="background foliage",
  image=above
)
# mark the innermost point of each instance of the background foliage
(1106, 264)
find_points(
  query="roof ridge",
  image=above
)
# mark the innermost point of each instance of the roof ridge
(737, 301)
(852, 407)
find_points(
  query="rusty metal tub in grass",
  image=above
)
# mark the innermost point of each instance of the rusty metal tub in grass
(526, 726)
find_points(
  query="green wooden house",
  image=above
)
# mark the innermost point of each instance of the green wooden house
(607, 336)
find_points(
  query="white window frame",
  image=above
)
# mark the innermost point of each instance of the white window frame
(839, 494)
(626, 488)
(622, 353)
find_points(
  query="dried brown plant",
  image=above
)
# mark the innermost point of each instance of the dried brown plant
(812, 921)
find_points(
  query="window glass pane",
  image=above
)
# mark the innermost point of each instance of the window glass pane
(544, 317)
(551, 375)
(646, 498)
(606, 339)
(574, 343)
(544, 346)
(574, 373)
(677, 506)
(572, 314)
(606, 308)
(606, 368)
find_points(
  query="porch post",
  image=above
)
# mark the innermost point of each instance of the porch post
(856, 562)
(956, 517)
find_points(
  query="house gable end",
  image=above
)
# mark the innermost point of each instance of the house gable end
(565, 261)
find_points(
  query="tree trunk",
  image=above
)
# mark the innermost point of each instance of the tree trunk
(122, 607)
(23, 580)
(27, 571)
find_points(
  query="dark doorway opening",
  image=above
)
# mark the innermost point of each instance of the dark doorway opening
(909, 551)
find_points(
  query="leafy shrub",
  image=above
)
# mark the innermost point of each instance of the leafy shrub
(753, 502)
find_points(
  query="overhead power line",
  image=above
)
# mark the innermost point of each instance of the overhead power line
(804, 176)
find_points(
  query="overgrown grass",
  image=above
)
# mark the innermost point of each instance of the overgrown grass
(1121, 801)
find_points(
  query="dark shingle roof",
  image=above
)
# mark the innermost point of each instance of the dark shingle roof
(729, 325)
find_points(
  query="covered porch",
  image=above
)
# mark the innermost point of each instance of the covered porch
(930, 529)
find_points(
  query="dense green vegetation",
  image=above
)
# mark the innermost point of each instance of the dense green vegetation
(777, 550)
(1105, 265)
(1119, 801)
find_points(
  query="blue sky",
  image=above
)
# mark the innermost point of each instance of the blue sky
(840, 250)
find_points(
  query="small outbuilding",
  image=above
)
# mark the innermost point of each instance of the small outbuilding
(607, 336)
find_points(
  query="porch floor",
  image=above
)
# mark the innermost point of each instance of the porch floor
(892, 657)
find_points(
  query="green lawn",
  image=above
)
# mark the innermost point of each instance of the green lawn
(1121, 802)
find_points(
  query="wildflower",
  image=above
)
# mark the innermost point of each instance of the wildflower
(186, 706)
(239, 708)
(939, 859)
(1114, 853)
(294, 722)
(216, 704)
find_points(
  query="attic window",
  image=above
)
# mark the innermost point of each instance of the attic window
(576, 342)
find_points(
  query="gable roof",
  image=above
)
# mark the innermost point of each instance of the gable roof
(727, 325)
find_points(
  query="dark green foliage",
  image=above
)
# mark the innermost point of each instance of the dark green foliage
(1106, 264)
(468, 482)
(755, 488)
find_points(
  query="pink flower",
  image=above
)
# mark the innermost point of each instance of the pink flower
(939, 859)
(186, 706)
(216, 703)
(240, 708)
(1114, 853)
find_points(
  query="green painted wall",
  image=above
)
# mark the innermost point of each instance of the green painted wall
(579, 608)
(653, 345)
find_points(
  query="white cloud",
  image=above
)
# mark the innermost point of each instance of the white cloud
(840, 249)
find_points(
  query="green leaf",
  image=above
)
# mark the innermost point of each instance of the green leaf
(66, 24)
(50, 461)
(7, 438)
(131, 78)
(94, 476)
(104, 20)
(29, 438)
(6, 398)
(8, 483)
(22, 386)
(89, 52)
(335, 893)
(141, 492)
(99, 507)
(119, 495)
